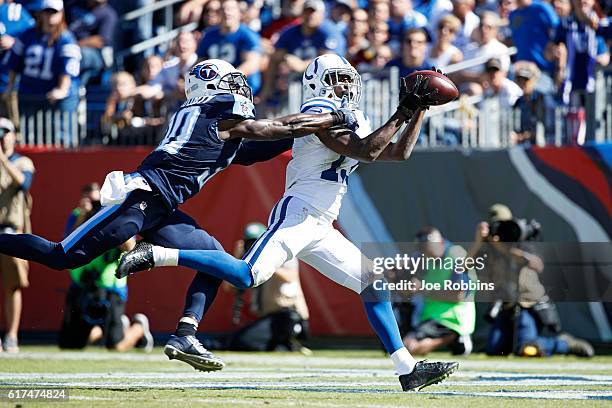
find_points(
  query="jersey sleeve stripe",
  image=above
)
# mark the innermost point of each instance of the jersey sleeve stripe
(324, 108)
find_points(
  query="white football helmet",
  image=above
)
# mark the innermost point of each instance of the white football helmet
(213, 77)
(332, 76)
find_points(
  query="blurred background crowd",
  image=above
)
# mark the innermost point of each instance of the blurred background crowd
(98, 71)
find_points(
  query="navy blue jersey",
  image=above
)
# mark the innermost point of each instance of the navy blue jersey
(191, 151)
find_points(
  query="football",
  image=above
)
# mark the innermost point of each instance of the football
(447, 90)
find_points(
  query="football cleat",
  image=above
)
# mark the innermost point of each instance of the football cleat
(138, 259)
(425, 374)
(188, 349)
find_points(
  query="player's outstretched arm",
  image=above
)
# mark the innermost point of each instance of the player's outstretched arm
(347, 143)
(402, 149)
(291, 126)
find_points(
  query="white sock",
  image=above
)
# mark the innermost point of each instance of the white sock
(403, 361)
(189, 320)
(165, 256)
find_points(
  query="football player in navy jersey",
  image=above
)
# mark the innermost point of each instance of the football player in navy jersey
(235, 43)
(47, 57)
(203, 137)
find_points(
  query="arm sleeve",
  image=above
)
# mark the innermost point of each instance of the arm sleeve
(255, 151)
(601, 46)
(27, 181)
(70, 54)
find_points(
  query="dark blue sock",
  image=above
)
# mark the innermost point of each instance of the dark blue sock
(218, 264)
(200, 295)
(381, 317)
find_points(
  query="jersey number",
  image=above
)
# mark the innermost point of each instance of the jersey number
(38, 62)
(225, 52)
(332, 173)
(180, 129)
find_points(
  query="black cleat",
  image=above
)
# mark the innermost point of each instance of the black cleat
(425, 374)
(188, 349)
(138, 259)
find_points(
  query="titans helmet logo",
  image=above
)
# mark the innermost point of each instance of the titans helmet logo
(206, 72)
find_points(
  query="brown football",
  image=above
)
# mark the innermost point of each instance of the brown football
(447, 91)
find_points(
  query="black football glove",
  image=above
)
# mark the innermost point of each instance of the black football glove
(416, 97)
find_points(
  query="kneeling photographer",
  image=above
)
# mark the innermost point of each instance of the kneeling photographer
(524, 320)
(95, 302)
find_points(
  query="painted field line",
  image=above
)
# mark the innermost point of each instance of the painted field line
(312, 361)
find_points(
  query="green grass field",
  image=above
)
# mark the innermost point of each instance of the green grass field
(327, 378)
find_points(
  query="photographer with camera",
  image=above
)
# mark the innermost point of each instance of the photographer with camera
(95, 302)
(523, 313)
(279, 304)
(16, 174)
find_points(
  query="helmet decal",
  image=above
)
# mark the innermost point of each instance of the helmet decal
(205, 72)
(316, 66)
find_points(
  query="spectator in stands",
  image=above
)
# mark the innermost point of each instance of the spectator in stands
(340, 15)
(192, 11)
(299, 45)
(291, 12)
(535, 108)
(448, 317)
(94, 28)
(403, 17)
(443, 53)
(498, 85)
(95, 302)
(280, 306)
(505, 31)
(357, 33)
(578, 50)
(16, 174)
(533, 25)
(211, 15)
(464, 11)
(563, 8)
(379, 12)
(377, 40)
(414, 52)
(14, 19)
(47, 58)
(128, 117)
(150, 69)
(170, 80)
(432, 9)
(233, 42)
(250, 12)
(486, 46)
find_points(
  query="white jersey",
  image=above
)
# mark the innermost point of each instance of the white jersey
(316, 174)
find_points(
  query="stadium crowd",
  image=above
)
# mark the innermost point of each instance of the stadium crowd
(67, 46)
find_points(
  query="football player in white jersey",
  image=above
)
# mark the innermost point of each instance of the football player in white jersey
(300, 225)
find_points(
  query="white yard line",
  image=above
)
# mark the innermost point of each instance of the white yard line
(312, 361)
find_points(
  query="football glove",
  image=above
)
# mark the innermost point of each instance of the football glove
(346, 117)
